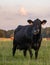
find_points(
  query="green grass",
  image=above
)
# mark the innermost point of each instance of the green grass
(6, 57)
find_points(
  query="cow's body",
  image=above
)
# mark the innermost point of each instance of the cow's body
(27, 37)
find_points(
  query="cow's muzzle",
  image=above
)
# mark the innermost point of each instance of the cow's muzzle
(35, 32)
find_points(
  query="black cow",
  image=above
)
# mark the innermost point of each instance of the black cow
(28, 37)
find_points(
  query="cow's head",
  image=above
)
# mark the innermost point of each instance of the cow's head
(36, 25)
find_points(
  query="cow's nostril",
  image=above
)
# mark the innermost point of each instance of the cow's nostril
(34, 31)
(38, 30)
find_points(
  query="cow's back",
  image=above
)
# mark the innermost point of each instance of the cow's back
(22, 33)
(18, 29)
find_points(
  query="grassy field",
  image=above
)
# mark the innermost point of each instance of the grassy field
(6, 57)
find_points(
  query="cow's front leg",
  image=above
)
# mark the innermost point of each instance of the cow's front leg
(37, 49)
(30, 51)
(36, 54)
(24, 52)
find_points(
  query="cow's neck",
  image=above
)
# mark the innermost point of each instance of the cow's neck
(36, 37)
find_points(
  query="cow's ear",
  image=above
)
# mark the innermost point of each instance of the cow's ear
(43, 22)
(30, 21)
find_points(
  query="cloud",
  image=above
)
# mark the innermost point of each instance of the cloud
(22, 11)
(11, 17)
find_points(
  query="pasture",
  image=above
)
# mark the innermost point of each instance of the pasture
(6, 57)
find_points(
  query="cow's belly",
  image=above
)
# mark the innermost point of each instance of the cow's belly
(22, 46)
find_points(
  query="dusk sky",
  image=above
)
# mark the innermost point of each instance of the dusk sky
(17, 12)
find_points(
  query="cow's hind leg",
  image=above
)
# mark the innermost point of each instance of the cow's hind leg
(14, 47)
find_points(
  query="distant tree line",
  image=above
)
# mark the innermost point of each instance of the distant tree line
(46, 32)
(10, 33)
(6, 34)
